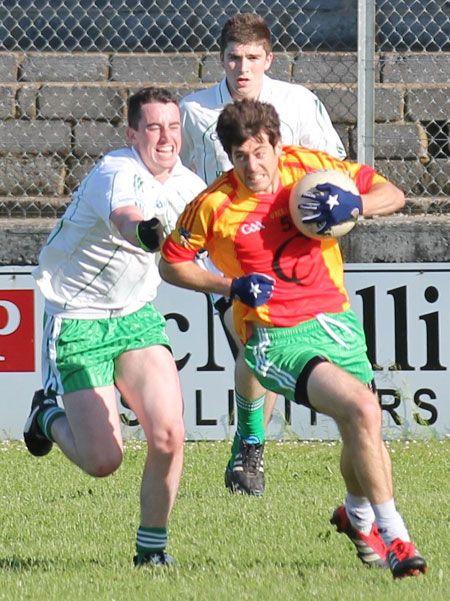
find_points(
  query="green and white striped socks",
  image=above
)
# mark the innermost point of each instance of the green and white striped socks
(150, 540)
(250, 422)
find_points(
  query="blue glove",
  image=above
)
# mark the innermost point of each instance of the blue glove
(330, 205)
(252, 290)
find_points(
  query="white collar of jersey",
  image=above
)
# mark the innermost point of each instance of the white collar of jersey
(224, 96)
(264, 89)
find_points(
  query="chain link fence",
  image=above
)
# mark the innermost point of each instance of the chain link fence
(413, 144)
(67, 68)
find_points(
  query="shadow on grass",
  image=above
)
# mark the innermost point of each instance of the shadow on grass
(28, 564)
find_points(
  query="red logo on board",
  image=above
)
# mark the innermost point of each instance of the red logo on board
(17, 330)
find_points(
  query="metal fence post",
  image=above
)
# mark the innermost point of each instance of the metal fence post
(366, 82)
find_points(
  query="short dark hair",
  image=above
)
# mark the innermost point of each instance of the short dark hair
(246, 119)
(146, 96)
(246, 28)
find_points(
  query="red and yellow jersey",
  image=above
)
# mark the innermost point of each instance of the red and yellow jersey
(246, 232)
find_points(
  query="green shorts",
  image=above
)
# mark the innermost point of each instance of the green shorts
(278, 356)
(81, 353)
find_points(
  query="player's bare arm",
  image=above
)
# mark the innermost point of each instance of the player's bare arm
(125, 220)
(383, 199)
(189, 275)
(148, 234)
(253, 289)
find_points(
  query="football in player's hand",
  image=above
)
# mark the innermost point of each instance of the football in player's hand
(325, 204)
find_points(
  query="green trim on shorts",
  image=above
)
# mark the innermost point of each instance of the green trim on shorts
(86, 349)
(278, 356)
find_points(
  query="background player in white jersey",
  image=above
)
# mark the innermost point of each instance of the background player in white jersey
(246, 55)
(98, 275)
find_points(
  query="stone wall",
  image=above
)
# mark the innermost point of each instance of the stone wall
(394, 239)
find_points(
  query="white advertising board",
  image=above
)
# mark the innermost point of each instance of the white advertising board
(404, 309)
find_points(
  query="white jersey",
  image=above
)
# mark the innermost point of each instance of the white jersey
(304, 121)
(87, 270)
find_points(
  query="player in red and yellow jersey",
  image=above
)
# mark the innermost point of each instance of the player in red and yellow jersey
(246, 233)
(293, 313)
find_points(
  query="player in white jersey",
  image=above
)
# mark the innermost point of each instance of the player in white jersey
(304, 121)
(87, 269)
(98, 275)
(246, 55)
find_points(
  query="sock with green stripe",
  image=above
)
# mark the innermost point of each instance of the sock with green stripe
(45, 420)
(250, 422)
(150, 540)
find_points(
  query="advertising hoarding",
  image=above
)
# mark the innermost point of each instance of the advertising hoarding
(403, 308)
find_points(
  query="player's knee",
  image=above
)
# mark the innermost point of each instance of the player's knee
(101, 465)
(366, 413)
(168, 439)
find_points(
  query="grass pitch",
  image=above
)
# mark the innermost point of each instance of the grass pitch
(67, 537)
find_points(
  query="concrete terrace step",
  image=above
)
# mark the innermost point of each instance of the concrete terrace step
(417, 237)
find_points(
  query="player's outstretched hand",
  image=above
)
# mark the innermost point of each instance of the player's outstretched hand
(253, 290)
(150, 234)
(331, 205)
